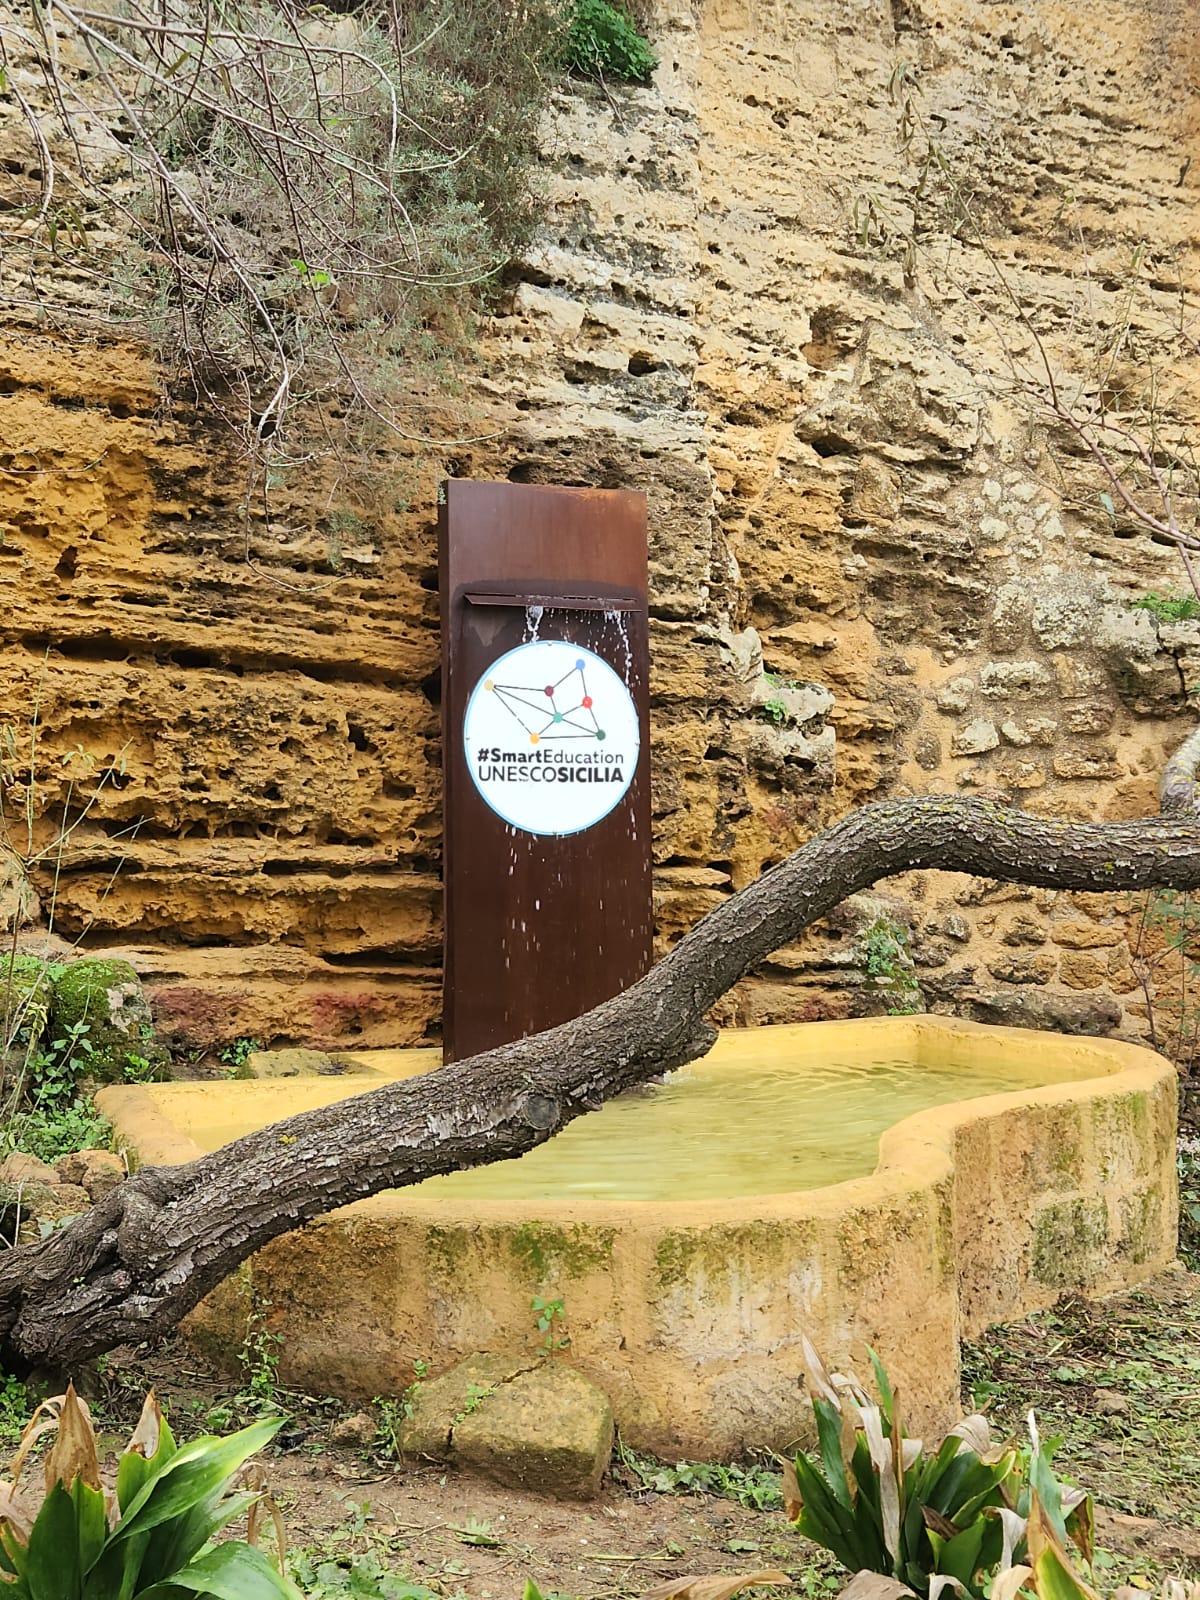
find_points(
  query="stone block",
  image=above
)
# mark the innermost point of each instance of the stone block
(1010, 617)
(96, 1171)
(1079, 969)
(289, 1064)
(1064, 615)
(1037, 969)
(1085, 935)
(20, 1168)
(1024, 930)
(437, 1406)
(954, 697)
(976, 738)
(1090, 716)
(1018, 680)
(1020, 775)
(49, 1202)
(1044, 1009)
(1099, 765)
(548, 1430)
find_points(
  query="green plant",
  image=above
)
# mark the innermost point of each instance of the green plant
(235, 1054)
(478, 1532)
(883, 951)
(1169, 608)
(550, 1315)
(604, 42)
(14, 1406)
(259, 1358)
(350, 1562)
(476, 1394)
(755, 1487)
(158, 1541)
(391, 1415)
(318, 205)
(776, 708)
(51, 1131)
(880, 1502)
(354, 1577)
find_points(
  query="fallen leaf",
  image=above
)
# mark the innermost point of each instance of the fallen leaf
(875, 1586)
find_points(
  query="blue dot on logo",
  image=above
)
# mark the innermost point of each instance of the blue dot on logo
(579, 665)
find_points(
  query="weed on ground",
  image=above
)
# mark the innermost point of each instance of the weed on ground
(1119, 1382)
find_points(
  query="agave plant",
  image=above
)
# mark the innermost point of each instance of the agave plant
(153, 1538)
(949, 1518)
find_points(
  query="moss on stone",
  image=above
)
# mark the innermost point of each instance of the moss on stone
(718, 1249)
(99, 1009)
(674, 1256)
(551, 1251)
(1141, 1218)
(446, 1249)
(26, 987)
(1066, 1237)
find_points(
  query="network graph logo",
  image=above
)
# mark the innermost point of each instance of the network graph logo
(560, 710)
(551, 737)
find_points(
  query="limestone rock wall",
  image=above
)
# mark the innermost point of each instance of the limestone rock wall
(873, 572)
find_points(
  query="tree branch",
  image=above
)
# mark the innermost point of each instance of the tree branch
(143, 1257)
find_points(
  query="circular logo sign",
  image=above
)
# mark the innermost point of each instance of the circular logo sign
(551, 737)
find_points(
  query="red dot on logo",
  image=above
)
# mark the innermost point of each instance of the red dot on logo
(549, 689)
(587, 701)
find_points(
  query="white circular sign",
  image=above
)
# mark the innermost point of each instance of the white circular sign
(551, 737)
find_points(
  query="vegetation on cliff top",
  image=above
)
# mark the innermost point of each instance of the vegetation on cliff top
(314, 206)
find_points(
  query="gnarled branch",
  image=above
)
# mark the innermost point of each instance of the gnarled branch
(138, 1262)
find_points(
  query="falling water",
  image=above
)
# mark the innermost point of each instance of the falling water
(533, 622)
(616, 619)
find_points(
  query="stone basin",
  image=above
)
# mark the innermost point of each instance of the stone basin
(688, 1304)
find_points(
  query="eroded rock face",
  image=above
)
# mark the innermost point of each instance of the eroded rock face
(871, 572)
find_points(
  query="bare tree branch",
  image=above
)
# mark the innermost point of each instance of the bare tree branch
(145, 1255)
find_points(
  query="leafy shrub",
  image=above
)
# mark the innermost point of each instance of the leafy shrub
(883, 949)
(603, 42)
(878, 1501)
(314, 202)
(49, 1130)
(171, 1502)
(1169, 608)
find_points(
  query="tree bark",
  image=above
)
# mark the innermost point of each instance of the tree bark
(131, 1267)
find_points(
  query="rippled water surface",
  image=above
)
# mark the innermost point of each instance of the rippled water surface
(728, 1128)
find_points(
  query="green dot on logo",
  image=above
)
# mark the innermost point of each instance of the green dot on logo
(599, 733)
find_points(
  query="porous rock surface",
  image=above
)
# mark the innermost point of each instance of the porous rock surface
(538, 1425)
(744, 304)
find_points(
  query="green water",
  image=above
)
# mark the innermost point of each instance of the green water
(717, 1130)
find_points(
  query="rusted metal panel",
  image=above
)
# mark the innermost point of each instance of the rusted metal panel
(542, 924)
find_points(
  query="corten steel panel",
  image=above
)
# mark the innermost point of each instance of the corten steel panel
(539, 928)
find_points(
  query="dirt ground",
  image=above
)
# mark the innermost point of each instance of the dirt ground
(1118, 1380)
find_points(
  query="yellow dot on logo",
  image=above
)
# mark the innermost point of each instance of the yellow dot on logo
(489, 684)
(534, 739)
